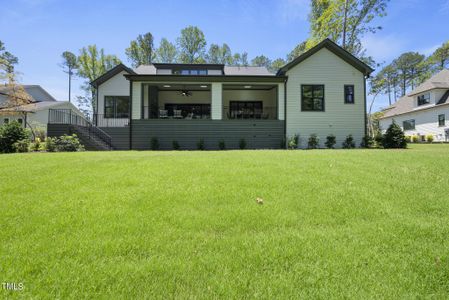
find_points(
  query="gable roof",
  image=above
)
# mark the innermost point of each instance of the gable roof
(403, 105)
(36, 92)
(438, 81)
(111, 73)
(33, 107)
(334, 48)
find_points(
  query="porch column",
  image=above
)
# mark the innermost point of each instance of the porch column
(217, 101)
(281, 96)
(136, 100)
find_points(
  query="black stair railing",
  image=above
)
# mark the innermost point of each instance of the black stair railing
(66, 116)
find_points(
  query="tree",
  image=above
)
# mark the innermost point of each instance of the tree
(166, 53)
(141, 50)
(261, 61)
(69, 64)
(394, 137)
(219, 55)
(386, 81)
(191, 44)
(345, 22)
(297, 51)
(277, 64)
(409, 66)
(439, 60)
(7, 62)
(91, 65)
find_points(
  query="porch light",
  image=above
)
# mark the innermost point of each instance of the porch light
(167, 86)
(203, 86)
(247, 86)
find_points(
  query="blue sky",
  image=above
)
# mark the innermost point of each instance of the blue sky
(38, 31)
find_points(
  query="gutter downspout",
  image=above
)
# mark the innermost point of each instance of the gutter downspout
(130, 114)
(285, 113)
(364, 103)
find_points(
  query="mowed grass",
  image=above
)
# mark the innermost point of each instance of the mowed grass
(334, 224)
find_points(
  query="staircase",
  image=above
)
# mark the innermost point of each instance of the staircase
(92, 137)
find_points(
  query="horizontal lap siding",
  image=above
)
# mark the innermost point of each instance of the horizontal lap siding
(258, 134)
(119, 135)
(57, 130)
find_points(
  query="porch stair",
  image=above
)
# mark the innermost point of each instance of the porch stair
(90, 141)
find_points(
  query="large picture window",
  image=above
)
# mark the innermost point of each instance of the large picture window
(442, 120)
(116, 107)
(408, 124)
(245, 109)
(424, 99)
(312, 97)
(349, 94)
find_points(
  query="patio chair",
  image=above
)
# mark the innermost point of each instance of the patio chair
(163, 114)
(189, 116)
(177, 114)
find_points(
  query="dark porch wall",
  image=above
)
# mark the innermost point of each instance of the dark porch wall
(56, 130)
(119, 135)
(258, 134)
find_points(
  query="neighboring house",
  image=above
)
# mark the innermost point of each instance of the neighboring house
(424, 111)
(35, 114)
(321, 92)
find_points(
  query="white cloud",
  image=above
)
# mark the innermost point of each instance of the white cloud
(383, 48)
(292, 10)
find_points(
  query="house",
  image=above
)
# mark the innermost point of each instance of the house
(320, 92)
(424, 111)
(34, 114)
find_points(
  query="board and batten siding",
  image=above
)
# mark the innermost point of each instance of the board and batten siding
(338, 118)
(115, 86)
(426, 122)
(136, 100)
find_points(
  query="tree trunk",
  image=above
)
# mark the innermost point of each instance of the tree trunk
(345, 23)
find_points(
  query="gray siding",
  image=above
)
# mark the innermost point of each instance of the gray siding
(258, 134)
(119, 135)
(56, 130)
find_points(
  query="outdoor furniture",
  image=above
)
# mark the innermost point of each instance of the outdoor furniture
(163, 114)
(177, 114)
(189, 116)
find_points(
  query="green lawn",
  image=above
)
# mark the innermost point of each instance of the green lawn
(334, 224)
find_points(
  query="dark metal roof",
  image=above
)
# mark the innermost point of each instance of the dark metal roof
(111, 73)
(175, 65)
(444, 98)
(334, 48)
(206, 78)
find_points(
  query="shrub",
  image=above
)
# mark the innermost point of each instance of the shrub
(379, 139)
(69, 143)
(367, 142)
(175, 145)
(314, 141)
(154, 143)
(200, 144)
(242, 144)
(394, 137)
(348, 143)
(293, 142)
(330, 141)
(11, 133)
(408, 138)
(415, 139)
(429, 138)
(22, 146)
(221, 145)
(50, 144)
(36, 145)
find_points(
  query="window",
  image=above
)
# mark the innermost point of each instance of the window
(408, 124)
(442, 120)
(424, 99)
(116, 107)
(245, 109)
(20, 121)
(5, 120)
(349, 94)
(312, 97)
(190, 72)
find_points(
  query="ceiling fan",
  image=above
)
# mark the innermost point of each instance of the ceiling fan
(185, 93)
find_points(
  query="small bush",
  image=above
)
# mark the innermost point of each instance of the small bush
(330, 141)
(242, 144)
(367, 142)
(200, 144)
(11, 133)
(154, 143)
(314, 141)
(408, 138)
(348, 143)
(379, 139)
(394, 137)
(22, 146)
(175, 145)
(415, 139)
(221, 145)
(69, 143)
(293, 142)
(36, 145)
(429, 138)
(50, 144)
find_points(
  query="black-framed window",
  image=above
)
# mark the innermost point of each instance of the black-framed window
(116, 106)
(442, 120)
(349, 94)
(20, 120)
(312, 97)
(408, 124)
(424, 99)
(245, 109)
(196, 110)
(5, 120)
(190, 72)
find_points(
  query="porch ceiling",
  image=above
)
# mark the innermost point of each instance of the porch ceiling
(178, 87)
